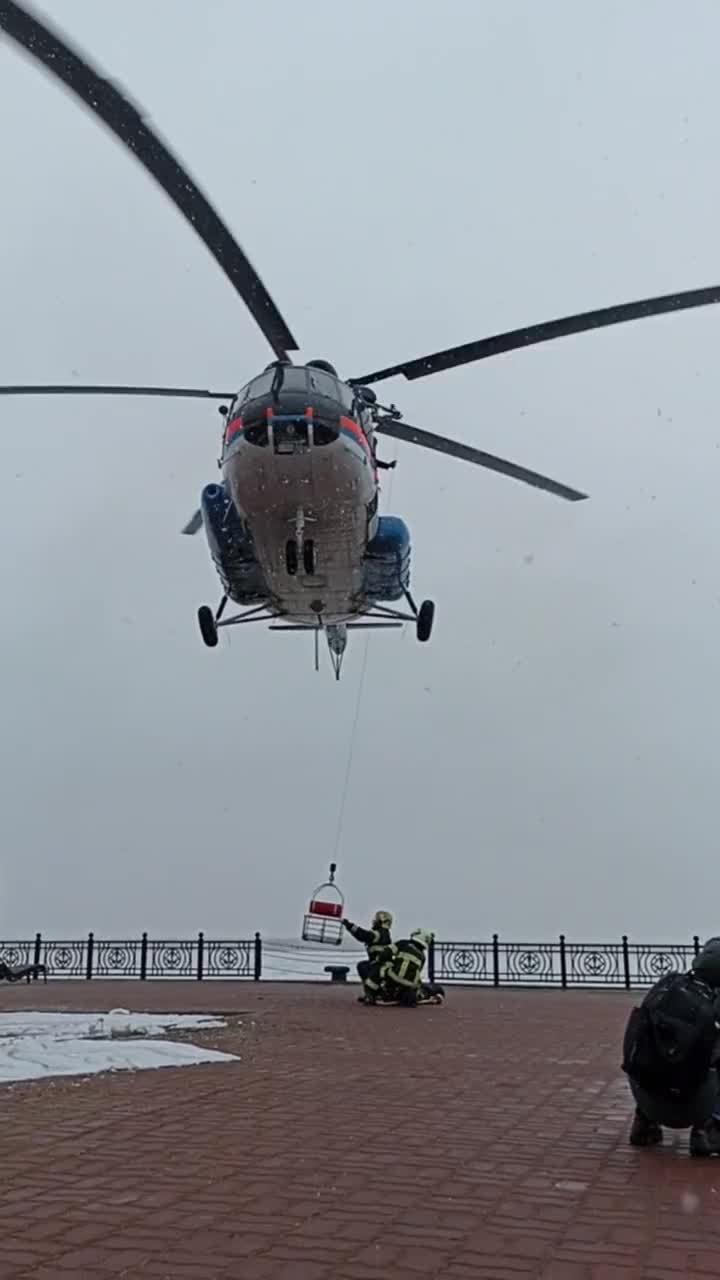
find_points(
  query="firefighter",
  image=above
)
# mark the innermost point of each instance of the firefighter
(378, 942)
(402, 972)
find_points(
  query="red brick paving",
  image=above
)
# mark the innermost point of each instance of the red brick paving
(485, 1140)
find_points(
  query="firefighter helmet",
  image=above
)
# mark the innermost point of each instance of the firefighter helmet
(382, 920)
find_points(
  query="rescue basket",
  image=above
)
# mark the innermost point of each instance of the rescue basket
(323, 919)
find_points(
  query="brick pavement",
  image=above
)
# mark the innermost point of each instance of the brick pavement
(485, 1139)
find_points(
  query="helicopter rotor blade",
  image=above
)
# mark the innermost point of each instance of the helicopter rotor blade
(113, 108)
(71, 390)
(194, 524)
(466, 453)
(549, 329)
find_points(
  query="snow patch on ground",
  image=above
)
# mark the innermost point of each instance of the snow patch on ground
(35, 1045)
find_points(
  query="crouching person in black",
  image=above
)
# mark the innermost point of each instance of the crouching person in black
(671, 1055)
(402, 972)
(377, 940)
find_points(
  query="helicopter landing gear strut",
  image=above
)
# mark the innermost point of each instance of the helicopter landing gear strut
(207, 621)
(383, 615)
(424, 617)
(210, 622)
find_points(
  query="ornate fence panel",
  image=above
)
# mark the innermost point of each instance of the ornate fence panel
(116, 959)
(595, 964)
(66, 959)
(462, 962)
(172, 959)
(18, 954)
(230, 959)
(535, 964)
(649, 962)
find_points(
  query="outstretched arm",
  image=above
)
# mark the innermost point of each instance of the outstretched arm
(367, 936)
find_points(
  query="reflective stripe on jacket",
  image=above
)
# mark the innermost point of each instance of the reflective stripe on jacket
(406, 966)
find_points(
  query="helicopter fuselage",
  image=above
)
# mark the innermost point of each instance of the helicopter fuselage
(299, 470)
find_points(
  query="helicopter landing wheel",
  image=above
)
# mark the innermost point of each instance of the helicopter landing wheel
(291, 557)
(208, 628)
(309, 557)
(425, 618)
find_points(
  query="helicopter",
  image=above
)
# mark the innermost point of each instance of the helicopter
(293, 529)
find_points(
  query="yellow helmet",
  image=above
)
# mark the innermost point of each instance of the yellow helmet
(423, 936)
(383, 920)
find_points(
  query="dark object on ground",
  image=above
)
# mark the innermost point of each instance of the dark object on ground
(704, 1139)
(27, 972)
(338, 972)
(427, 993)
(645, 1132)
(671, 1055)
(671, 1039)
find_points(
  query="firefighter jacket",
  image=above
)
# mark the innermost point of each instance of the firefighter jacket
(375, 940)
(405, 966)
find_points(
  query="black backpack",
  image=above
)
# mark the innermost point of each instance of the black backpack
(670, 1039)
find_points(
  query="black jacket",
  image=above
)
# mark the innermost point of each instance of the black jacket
(375, 940)
(406, 964)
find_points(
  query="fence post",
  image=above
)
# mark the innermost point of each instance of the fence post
(38, 948)
(563, 963)
(257, 973)
(143, 957)
(696, 945)
(201, 953)
(431, 960)
(496, 960)
(89, 957)
(626, 961)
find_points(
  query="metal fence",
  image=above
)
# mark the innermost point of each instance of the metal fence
(494, 963)
(558, 964)
(144, 958)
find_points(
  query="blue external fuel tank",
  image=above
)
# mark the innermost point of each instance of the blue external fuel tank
(231, 548)
(387, 560)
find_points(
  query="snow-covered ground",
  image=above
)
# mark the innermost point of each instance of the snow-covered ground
(34, 1045)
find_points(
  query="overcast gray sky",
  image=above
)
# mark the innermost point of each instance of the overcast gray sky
(404, 176)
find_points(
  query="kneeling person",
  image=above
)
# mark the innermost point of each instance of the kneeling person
(402, 972)
(378, 941)
(671, 1054)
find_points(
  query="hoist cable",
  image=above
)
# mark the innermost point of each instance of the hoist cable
(356, 718)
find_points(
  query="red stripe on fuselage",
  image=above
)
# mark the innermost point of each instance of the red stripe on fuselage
(355, 430)
(233, 429)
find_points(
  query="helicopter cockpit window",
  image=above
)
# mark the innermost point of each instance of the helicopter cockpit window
(294, 379)
(240, 398)
(261, 385)
(323, 383)
(347, 395)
